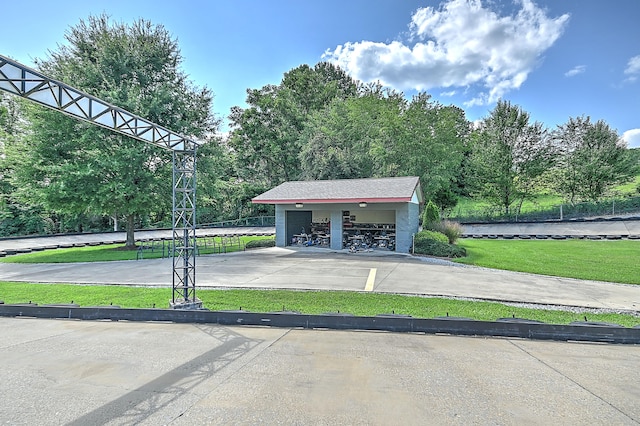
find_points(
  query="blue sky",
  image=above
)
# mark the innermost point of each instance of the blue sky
(555, 58)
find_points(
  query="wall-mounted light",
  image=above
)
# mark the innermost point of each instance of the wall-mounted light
(299, 205)
(363, 204)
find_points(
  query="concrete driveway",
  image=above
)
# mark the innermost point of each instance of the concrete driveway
(103, 372)
(57, 372)
(323, 269)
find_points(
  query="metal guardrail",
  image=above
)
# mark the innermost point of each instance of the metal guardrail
(504, 327)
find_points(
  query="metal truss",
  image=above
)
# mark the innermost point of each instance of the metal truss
(25, 82)
(184, 225)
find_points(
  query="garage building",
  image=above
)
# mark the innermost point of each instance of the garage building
(377, 213)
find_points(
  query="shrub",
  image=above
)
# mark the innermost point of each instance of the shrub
(431, 216)
(435, 244)
(260, 243)
(453, 230)
(432, 235)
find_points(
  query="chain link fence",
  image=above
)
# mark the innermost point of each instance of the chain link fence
(628, 206)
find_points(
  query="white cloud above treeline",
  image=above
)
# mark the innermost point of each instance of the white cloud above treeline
(463, 43)
(632, 137)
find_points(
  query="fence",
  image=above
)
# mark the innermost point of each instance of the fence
(204, 245)
(247, 221)
(611, 207)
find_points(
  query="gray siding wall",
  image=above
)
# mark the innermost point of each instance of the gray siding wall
(407, 217)
(336, 229)
(281, 226)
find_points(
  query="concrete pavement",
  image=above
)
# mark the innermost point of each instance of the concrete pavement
(103, 372)
(323, 269)
(93, 372)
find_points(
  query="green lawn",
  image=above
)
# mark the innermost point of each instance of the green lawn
(114, 252)
(309, 302)
(614, 261)
(603, 260)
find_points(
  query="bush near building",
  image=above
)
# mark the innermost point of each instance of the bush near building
(433, 243)
(260, 243)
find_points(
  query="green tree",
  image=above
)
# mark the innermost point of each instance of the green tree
(71, 166)
(430, 216)
(430, 144)
(509, 155)
(266, 136)
(354, 137)
(15, 218)
(593, 159)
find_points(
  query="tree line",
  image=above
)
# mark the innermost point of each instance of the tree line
(61, 175)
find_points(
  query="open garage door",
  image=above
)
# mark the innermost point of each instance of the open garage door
(297, 222)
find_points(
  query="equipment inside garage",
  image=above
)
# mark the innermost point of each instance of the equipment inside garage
(355, 214)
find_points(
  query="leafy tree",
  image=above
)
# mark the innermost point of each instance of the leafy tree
(71, 166)
(266, 136)
(15, 218)
(430, 144)
(509, 155)
(354, 137)
(593, 159)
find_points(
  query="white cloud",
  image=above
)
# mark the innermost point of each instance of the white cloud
(448, 94)
(575, 71)
(632, 137)
(461, 44)
(633, 68)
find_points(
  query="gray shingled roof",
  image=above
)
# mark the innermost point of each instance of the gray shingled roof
(396, 189)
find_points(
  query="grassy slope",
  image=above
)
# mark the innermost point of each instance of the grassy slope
(613, 261)
(541, 201)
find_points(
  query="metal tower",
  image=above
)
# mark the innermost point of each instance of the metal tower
(25, 82)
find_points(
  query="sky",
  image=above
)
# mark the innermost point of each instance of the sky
(555, 59)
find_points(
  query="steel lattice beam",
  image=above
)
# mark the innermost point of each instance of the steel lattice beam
(184, 226)
(25, 82)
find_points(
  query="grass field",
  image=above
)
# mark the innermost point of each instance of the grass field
(612, 261)
(112, 252)
(309, 302)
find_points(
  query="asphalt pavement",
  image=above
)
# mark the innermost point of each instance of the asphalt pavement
(612, 228)
(25, 244)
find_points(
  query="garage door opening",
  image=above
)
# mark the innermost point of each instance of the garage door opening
(365, 230)
(298, 225)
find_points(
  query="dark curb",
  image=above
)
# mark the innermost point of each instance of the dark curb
(514, 328)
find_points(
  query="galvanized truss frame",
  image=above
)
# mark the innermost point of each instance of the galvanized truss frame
(184, 225)
(25, 82)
